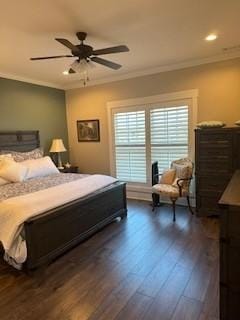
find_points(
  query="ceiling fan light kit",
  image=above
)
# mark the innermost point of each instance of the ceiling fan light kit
(85, 55)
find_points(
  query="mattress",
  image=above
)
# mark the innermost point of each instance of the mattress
(31, 198)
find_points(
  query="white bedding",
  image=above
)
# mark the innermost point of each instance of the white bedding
(16, 210)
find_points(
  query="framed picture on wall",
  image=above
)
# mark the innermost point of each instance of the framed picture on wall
(88, 130)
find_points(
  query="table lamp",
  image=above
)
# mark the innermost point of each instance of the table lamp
(58, 147)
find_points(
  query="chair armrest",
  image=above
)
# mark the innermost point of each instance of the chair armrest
(179, 186)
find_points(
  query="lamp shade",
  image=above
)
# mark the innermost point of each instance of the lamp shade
(57, 146)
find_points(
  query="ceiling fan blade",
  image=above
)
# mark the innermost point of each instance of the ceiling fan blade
(52, 57)
(71, 71)
(116, 49)
(67, 44)
(106, 63)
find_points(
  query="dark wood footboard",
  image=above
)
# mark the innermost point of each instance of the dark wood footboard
(56, 231)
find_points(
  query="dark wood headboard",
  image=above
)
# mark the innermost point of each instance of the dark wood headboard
(19, 140)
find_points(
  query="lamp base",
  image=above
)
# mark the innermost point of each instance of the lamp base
(60, 166)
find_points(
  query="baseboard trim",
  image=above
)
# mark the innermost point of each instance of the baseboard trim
(146, 196)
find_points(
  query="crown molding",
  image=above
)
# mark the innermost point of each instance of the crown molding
(141, 73)
(29, 80)
(130, 75)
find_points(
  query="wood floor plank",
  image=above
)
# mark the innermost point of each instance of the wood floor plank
(118, 298)
(204, 316)
(201, 275)
(187, 309)
(96, 297)
(211, 301)
(170, 293)
(135, 309)
(154, 281)
(163, 268)
(144, 267)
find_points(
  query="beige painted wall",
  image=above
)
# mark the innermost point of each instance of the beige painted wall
(219, 99)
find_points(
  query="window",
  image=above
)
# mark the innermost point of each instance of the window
(130, 150)
(169, 135)
(150, 129)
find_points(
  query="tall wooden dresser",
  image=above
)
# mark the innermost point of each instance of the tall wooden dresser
(217, 158)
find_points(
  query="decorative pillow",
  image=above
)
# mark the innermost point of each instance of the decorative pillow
(167, 176)
(182, 172)
(22, 156)
(4, 156)
(40, 167)
(237, 123)
(211, 124)
(3, 182)
(12, 171)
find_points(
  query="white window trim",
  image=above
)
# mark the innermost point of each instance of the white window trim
(190, 95)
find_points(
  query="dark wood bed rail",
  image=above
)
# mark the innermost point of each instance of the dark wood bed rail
(72, 223)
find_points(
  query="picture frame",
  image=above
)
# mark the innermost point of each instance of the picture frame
(88, 130)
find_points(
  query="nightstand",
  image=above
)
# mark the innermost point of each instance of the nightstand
(72, 169)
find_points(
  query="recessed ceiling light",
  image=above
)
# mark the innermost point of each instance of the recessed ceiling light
(65, 72)
(211, 37)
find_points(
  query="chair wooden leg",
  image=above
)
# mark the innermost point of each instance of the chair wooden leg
(174, 209)
(155, 201)
(189, 205)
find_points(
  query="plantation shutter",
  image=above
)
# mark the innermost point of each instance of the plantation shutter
(130, 148)
(169, 135)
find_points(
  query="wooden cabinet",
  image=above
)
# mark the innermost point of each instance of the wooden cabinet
(230, 251)
(217, 157)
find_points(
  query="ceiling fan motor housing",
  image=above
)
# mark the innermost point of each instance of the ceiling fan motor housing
(83, 51)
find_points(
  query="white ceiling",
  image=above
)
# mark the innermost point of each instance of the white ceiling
(158, 32)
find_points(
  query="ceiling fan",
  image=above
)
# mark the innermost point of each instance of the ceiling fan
(85, 54)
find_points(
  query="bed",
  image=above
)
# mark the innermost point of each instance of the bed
(50, 234)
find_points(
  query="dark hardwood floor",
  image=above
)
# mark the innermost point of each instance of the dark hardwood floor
(143, 268)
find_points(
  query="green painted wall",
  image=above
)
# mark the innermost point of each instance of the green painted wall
(25, 106)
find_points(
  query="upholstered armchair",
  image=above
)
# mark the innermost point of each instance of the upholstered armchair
(173, 183)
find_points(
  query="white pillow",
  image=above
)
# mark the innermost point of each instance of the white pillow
(3, 182)
(40, 167)
(211, 124)
(2, 157)
(5, 156)
(12, 171)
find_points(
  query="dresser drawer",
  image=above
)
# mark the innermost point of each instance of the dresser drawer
(215, 151)
(220, 165)
(220, 137)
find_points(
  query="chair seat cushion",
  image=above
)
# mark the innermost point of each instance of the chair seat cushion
(168, 190)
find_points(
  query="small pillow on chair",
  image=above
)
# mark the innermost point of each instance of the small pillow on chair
(168, 176)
